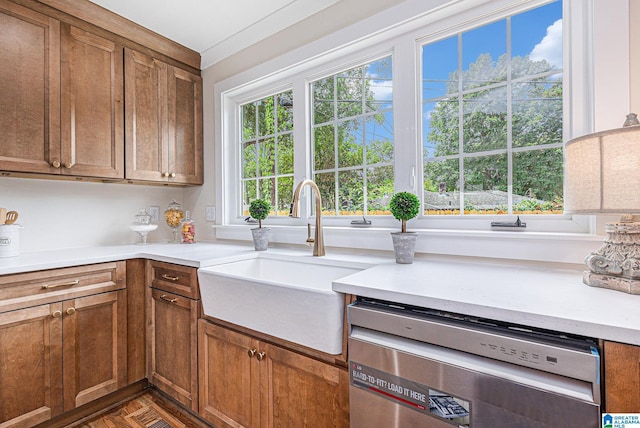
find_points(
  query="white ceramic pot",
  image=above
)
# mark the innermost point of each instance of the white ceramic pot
(404, 245)
(9, 240)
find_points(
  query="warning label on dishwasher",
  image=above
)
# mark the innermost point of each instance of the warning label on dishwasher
(403, 391)
(410, 394)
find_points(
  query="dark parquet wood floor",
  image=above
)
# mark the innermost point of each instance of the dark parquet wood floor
(148, 410)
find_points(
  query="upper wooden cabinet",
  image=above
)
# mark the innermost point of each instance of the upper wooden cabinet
(62, 109)
(163, 121)
(92, 139)
(30, 89)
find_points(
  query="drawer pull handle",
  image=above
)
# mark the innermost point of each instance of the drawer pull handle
(167, 299)
(71, 311)
(56, 314)
(169, 277)
(62, 284)
(260, 356)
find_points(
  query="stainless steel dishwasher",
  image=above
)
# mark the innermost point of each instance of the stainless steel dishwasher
(416, 367)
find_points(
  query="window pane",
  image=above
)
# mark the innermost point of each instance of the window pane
(285, 111)
(248, 121)
(249, 156)
(485, 184)
(351, 192)
(267, 157)
(485, 120)
(537, 34)
(267, 190)
(361, 138)
(350, 148)
(323, 100)
(442, 187)
(440, 68)
(441, 131)
(483, 55)
(324, 148)
(537, 181)
(537, 112)
(379, 190)
(379, 137)
(285, 154)
(327, 184)
(378, 80)
(249, 193)
(285, 195)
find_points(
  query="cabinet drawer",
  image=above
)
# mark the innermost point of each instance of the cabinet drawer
(37, 288)
(177, 279)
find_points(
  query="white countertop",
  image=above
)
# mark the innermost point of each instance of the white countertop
(533, 295)
(546, 296)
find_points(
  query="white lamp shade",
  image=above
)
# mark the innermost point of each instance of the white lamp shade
(602, 172)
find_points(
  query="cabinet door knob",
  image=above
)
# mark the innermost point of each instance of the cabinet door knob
(56, 314)
(251, 353)
(168, 299)
(68, 164)
(260, 356)
(71, 311)
(55, 164)
(172, 175)
(165, 174)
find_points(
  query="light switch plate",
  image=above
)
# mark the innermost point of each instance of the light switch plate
(210, 213)
(154, 212)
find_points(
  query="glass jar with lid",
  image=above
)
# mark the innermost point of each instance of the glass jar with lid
(174, 215)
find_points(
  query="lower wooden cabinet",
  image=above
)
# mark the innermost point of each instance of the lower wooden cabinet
(621, 378)
(60, 355)
(172, 331)
(245, 382)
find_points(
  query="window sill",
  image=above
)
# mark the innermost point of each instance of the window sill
(520, 245)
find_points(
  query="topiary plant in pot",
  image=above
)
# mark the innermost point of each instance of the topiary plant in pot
(259, 209)
(404, 206)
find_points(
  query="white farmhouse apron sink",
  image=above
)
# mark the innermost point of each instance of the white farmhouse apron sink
(287, 297)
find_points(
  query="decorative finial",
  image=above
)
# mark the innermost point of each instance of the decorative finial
(632, 120)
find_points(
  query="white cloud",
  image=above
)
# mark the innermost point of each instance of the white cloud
(550, 47)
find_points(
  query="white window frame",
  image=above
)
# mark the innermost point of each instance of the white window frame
(421, 20)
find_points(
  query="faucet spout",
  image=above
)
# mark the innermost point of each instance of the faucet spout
(318, 241)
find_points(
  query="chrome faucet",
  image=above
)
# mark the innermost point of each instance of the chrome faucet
(318, 240)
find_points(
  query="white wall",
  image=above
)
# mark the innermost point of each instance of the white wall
(67, 214)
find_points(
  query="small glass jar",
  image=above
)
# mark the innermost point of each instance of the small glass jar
(188, 229)
(174, 215)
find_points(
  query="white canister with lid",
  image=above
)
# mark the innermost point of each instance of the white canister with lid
(10, 240)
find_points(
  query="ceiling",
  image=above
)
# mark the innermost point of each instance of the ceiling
(216, 28)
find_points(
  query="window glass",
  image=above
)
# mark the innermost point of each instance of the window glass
(352, 129)
(492, 117)
(267, 152)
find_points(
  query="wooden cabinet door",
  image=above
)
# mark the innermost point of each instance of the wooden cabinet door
(229, 387)
(621, 378)
(185, 127)
(92, 124)
(172, 352)
(303, 392)
(94, 347)
(147, 153)
(30, 365)
(29, 90)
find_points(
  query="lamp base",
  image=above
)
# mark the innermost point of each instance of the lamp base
(616, 265)
(631, 286)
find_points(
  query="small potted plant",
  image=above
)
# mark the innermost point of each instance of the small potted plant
(259, 210)
(404, 206)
